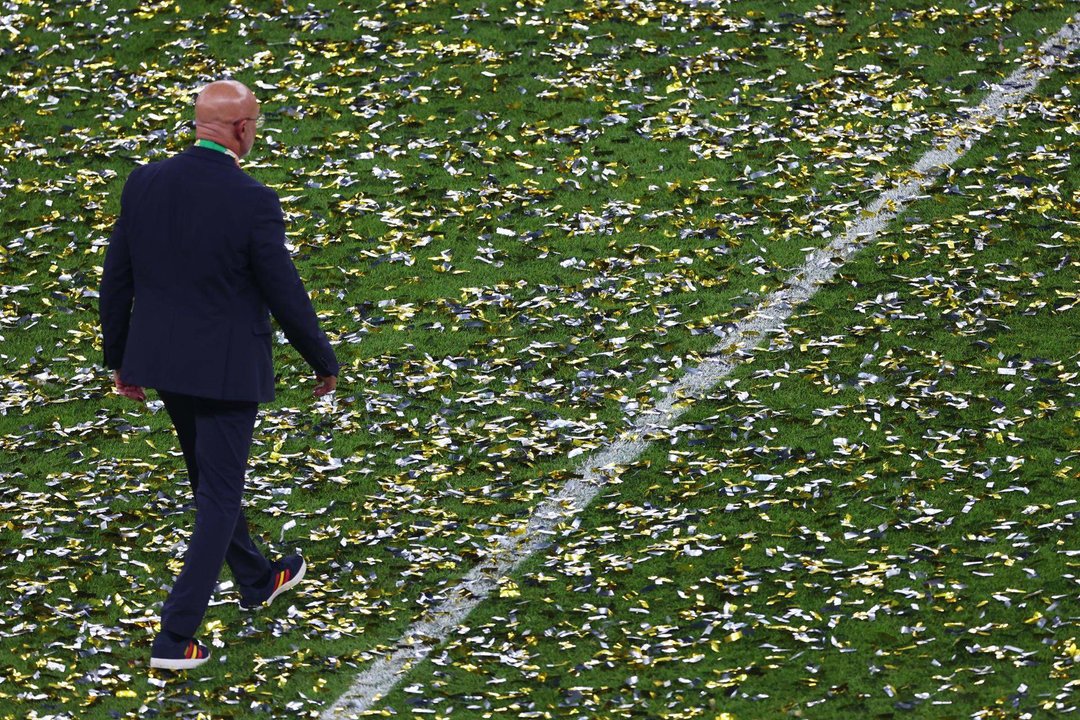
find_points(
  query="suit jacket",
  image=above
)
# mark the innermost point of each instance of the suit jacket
(196, 261)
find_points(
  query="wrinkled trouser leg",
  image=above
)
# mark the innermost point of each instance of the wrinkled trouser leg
(215, 438)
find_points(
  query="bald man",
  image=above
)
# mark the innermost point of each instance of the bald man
(195, 266)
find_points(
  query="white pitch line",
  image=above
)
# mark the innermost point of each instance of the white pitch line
(769, 317)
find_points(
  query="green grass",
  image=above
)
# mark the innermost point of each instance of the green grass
(439, 422)
(918, 565)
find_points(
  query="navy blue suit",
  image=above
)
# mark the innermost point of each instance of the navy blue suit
(195, 265)
(200, 247)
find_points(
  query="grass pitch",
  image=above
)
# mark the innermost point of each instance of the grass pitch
(520, 223)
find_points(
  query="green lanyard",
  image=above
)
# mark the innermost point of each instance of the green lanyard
(211, 145)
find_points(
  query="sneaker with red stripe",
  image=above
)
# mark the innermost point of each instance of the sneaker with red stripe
(284, 574)
(168, 654)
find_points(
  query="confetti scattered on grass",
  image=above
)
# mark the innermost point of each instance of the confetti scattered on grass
(520, 225)
(876, 517)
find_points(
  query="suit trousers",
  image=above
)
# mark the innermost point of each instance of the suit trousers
(215, 438)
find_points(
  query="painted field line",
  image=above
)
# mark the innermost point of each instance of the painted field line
(538, 531)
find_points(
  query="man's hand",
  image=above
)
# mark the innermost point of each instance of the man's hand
(326, 385)
(129, 391)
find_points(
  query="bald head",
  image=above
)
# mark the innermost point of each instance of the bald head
(225, 112)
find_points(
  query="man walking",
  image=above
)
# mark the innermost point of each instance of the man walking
(195, 263)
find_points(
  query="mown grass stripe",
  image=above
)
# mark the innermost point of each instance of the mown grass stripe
(769, 317)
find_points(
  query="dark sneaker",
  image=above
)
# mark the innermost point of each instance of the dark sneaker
(169, 654)
(284, 574)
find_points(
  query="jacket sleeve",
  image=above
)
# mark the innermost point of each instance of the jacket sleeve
(283, 290)
(116, 294)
